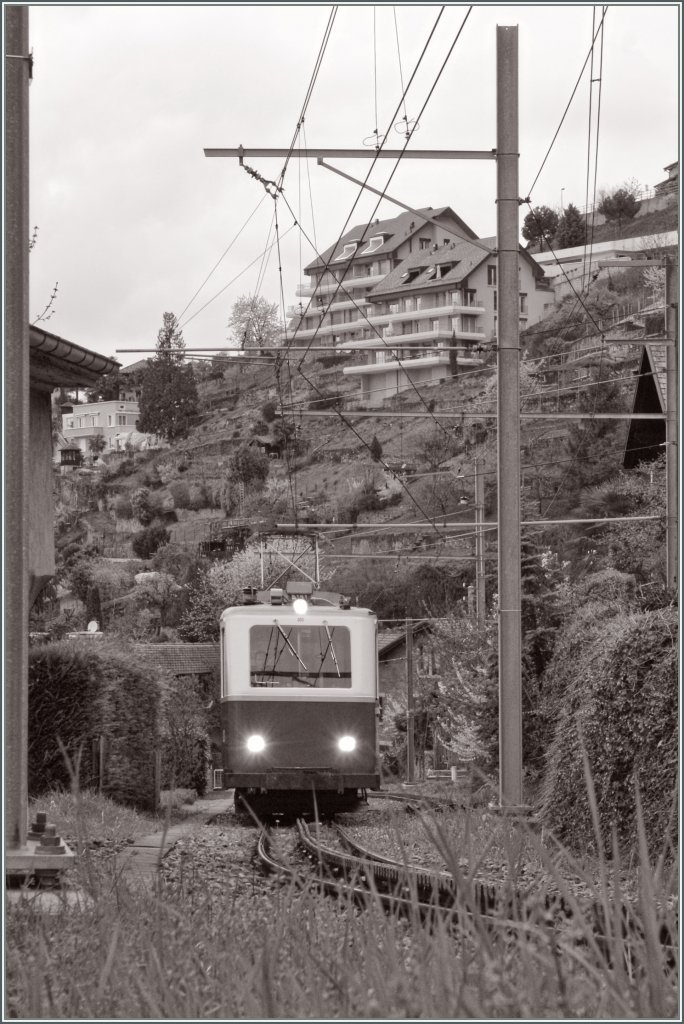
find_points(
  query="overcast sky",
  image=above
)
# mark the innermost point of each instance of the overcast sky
(133, 219)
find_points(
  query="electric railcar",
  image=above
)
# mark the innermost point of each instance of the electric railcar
(299, 701)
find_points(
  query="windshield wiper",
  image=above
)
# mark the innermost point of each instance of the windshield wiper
(292, 650)
(332, 652)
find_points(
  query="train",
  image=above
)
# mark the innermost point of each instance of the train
(299, 701)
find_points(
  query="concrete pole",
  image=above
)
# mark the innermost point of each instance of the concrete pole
(410, 707)
(510, 688)
(480, 603)
(671, 418)
(16, 427)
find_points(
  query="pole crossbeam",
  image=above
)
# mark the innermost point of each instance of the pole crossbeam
(355, 154)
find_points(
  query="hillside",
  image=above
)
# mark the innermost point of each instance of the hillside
(327, 473)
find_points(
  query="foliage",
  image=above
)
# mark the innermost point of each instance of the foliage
(78, 691)
(169, 399)
(461, 647)
(220, 587)
(394, 590)
(572, 229)
(169, 339)
(142, 506)
(540, 225)
(631, 545)
(105, 388)
(375, 449)
(254, 322)
(249, 465)
(591, 443)
(122, 506)
(97, 444)
(618, 678)
(268, 412)
(541, 581)
(179, 491)
(159, 593)
(184, 744)
(149, 540)
(620, 206)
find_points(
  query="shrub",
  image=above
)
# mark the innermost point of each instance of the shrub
(122, 507)
(185, 745)
(180, 493)
(268, 412)
(149, 540)
(79, 691)
(620, 704)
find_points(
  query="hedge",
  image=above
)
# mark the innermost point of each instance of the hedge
(621, 704)
(80, 690)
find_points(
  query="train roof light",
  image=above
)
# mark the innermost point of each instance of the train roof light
(300, 606)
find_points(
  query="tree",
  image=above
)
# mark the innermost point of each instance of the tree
(254, 322)
(249, 465)
(375, 449)
(572, 229)
(622, 205)
(540, 225)
(170, 338)
(168, 401)
(97, 444)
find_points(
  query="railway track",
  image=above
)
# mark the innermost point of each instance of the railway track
(338, 865)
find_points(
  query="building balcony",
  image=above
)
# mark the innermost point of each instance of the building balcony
(393, 341)
(74, 432)
(349, 284)
(427, 312)
(422, 362)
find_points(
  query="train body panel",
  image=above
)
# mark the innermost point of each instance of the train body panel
(301, 744)
(299, 699)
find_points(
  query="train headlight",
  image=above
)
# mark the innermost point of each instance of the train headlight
(300, 606)
(255, 744)
(347, 743)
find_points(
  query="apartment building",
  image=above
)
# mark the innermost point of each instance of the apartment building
(414, 284)
(334, 304)
(434, 312)
(114, 420)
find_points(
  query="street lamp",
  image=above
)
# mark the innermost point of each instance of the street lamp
(562, 191)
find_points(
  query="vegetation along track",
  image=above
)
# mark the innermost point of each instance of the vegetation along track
(338, 865)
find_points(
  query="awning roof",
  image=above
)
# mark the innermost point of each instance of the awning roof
(57, 363)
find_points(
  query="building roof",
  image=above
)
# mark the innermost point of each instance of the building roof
(397, 229)
(390, 639)
(464, 258)
(183, 659)
(57, 363)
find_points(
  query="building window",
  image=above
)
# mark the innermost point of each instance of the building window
(523, 302)
(375, 242)
(423, 243)
(347, 252)
(470, 297)
(496, 300)
(120, 421)
(491, 275)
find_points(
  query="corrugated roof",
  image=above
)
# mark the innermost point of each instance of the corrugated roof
(183, 659)
(657, 355)
(397, 228)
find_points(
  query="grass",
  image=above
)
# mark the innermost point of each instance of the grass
(92, 815)
(279, 954)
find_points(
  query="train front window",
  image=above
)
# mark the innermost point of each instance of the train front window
(289, 656)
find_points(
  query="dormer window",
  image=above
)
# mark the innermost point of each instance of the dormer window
(347, 252)
(375, 242)
(444, 268)
(410, 275)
